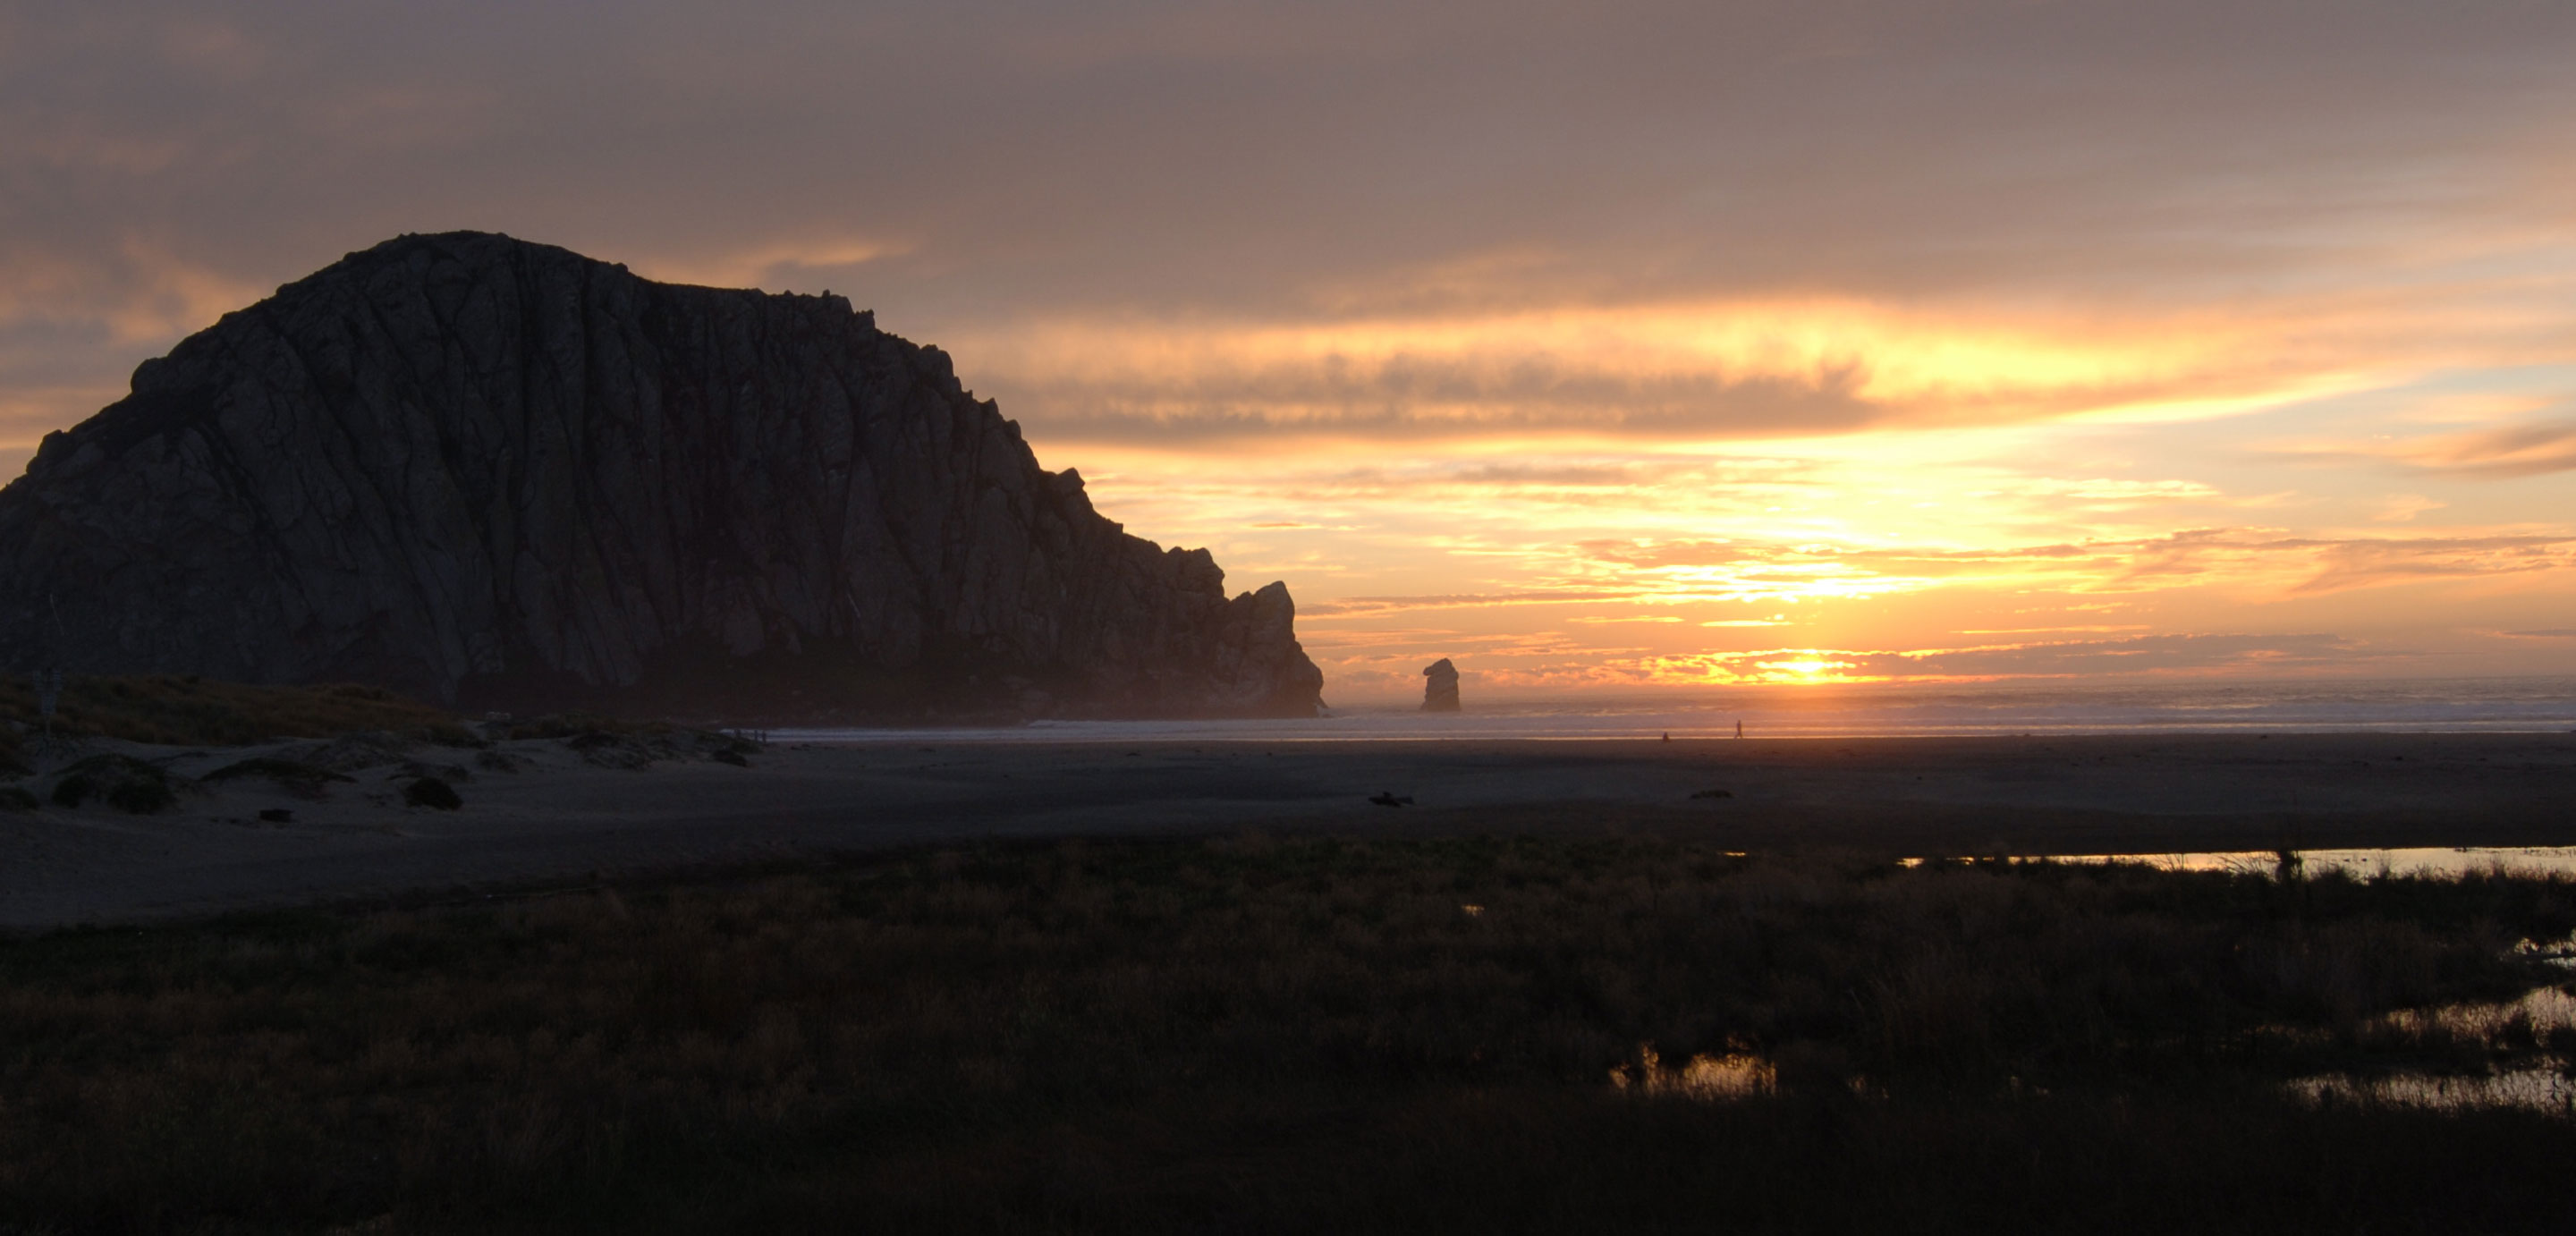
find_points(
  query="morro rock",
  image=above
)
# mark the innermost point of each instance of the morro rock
(500, 474)
(1440, 686)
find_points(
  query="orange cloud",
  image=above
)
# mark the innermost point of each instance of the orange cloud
(2518, 450)
(2243, 556)
(1734, 367)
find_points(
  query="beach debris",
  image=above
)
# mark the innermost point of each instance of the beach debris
(276, 815)
(727, 755)
(1472, 911)
(1440, 686)
(1389, 798)
(1713, 793)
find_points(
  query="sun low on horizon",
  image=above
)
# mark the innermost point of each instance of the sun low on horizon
(1642, 348)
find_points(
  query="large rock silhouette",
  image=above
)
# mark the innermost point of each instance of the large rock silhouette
(500, 474)
(1440, 686)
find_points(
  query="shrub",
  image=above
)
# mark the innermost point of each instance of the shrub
(72, 790)
(275, 769)
(141, 795)
(448, 734)
(432, 792)
(126, 783)
(14, 799)
(294, 776)
(581, 725)
(498, 761)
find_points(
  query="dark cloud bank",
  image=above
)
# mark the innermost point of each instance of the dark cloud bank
(1283, 161)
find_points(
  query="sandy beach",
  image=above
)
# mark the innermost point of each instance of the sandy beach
(559, 816)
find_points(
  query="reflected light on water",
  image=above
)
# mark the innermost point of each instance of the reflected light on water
(2544, 1090)
(2544, 1013)
(2420, 861)
(2545, 1018)
(1733, 1075)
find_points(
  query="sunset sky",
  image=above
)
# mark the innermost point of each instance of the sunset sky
(1599, 346)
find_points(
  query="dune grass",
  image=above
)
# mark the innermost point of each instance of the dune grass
(179, 709)
(1251, 1034)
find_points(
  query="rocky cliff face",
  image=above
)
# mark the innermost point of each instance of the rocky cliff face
(503, 475)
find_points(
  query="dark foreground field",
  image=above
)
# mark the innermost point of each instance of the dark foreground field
(1296, 1035)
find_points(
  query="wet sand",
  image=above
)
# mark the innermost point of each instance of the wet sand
(563, 819)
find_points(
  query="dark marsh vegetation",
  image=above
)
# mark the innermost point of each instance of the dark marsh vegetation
(1253, 1034)
(185, 709)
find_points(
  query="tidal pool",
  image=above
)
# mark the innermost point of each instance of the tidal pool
(2544, 1018)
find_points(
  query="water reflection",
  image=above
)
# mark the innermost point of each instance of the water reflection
(1734, 1075)
(2539, 1029)
(2425, 861)
(2542, 1020)
(2545, 1090)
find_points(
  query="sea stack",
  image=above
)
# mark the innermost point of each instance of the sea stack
(497, 474)
(1440, 686)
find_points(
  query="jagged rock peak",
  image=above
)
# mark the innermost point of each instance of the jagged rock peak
(502, 474)
(1440, 686)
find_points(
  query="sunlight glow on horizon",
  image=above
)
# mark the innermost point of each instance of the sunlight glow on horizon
(1563, 569)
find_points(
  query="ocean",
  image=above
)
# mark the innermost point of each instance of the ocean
(2457, 705)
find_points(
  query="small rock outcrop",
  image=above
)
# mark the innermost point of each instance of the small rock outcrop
(1440, 686)
(497, 474)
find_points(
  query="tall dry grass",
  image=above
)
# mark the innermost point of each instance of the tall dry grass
(1249, 1034)
(184, 709)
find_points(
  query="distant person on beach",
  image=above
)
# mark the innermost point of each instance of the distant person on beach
(1739, 729)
